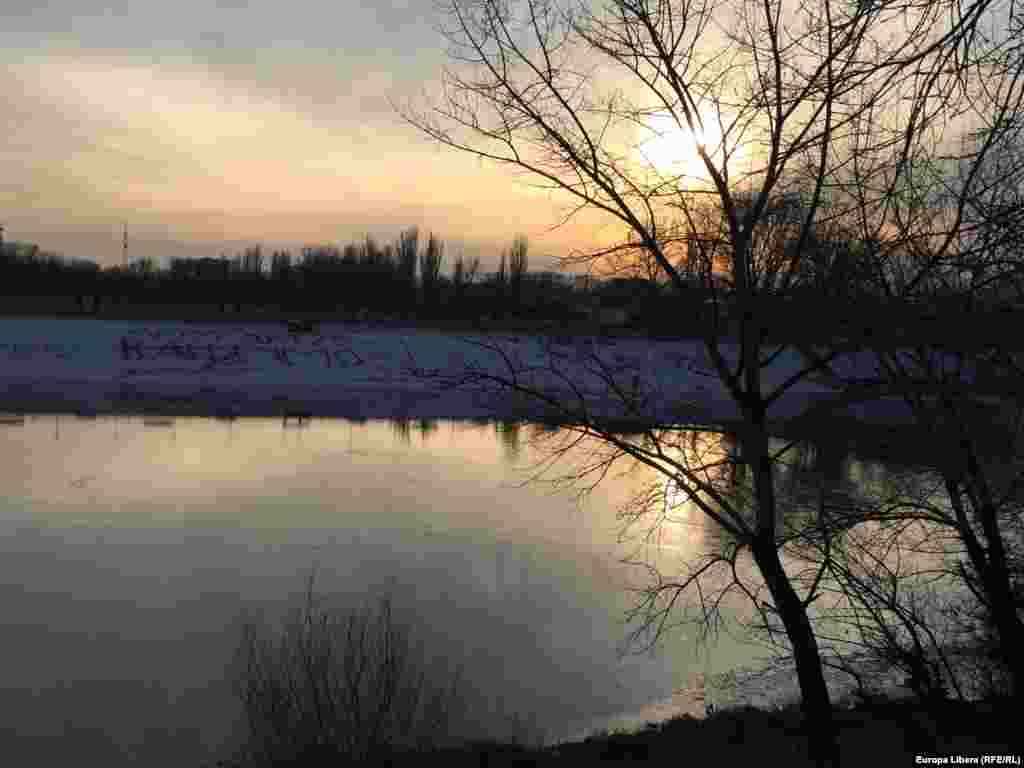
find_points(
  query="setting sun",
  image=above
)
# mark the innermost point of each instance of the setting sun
(671, 148)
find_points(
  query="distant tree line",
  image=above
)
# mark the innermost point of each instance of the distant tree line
(405, 279)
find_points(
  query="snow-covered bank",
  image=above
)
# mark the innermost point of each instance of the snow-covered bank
(352, 371)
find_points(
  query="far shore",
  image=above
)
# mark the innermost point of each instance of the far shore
(232, 367)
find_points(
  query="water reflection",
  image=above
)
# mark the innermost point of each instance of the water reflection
(129, 548)
(803, 469)
(815, 480)
(141, 542)
(403, 429)
(509, 434)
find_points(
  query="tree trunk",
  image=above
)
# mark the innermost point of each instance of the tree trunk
(1011, 638)
(988, 558)
(819, 724)
(991, 564)
(823, 738)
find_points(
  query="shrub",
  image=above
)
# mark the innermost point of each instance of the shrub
(327, 686)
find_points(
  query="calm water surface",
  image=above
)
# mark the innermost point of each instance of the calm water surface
(131, 551)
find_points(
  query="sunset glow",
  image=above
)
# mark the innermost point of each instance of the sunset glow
(673, 149)
(202, 150)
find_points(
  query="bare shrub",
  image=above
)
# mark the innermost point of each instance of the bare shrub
(329, 685)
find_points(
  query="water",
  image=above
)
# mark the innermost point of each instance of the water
(132, 550)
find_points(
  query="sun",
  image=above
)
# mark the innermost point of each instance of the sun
(672, 149)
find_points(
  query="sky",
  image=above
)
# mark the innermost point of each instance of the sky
(206, 127)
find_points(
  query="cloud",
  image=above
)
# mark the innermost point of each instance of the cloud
(261, 140)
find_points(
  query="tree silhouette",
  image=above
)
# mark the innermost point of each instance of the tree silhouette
(791, 109)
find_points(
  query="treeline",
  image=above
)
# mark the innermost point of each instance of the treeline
(401, 278)
(405, 278)
(408, 279)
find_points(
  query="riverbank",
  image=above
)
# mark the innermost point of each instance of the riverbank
(884, 733)
(894, 733)
(750, 712)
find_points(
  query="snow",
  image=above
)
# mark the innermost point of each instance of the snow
(361, 372)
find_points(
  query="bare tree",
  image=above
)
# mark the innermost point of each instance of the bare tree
(517, 266)
(974, 430)
(909, 570)
(280, 264)
(406, 248)
(463, 274)
(631, 259)
(951, 250)
(786, 105)
(252, 260)
(430, 270)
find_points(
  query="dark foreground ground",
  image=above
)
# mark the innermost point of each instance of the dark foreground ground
(894, 733)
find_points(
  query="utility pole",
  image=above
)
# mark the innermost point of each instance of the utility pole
(124, 247)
